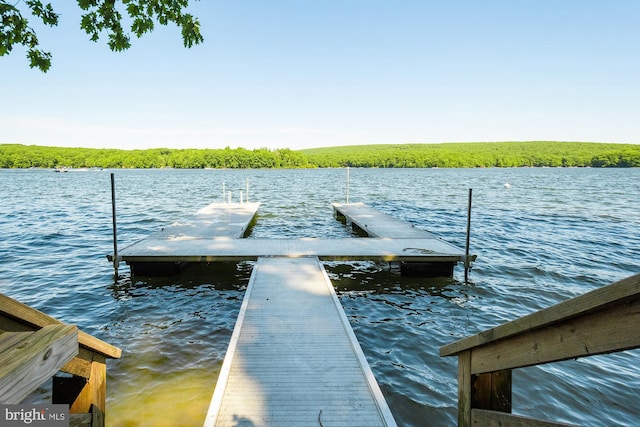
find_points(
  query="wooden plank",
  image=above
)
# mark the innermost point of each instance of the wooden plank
(293, 359)
(485, 418)
(31, 317)
(80, 420)
(492, 391)
(605, 331)
(376, 249)
(464, 389)
(34, 357)
(598, 299)
(378, 224)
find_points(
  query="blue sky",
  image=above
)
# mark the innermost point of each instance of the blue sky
(301, 74)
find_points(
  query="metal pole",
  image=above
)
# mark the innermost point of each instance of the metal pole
(116, 261)
(467, 264)
(347, 184)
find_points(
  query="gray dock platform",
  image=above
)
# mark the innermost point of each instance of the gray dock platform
(376, 224)
(214, 234)
(293, 359)
(219, 249)
(214, 221)
(217, 220)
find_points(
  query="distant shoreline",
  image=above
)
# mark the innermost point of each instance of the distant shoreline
(446, 155)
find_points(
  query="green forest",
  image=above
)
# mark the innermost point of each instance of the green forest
(446, 155)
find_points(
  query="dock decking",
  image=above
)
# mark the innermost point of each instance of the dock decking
(214, 234)
(376, 224)
(293, 359)
(219, 249)
(215, 221)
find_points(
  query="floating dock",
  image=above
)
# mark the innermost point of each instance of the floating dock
(363, 219)
(214, 234)
(215, 221)
(293, 359)
(345, 249)
(373, 223)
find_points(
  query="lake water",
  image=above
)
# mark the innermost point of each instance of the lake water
(549, 236)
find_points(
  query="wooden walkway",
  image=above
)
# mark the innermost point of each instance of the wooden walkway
(293, 359)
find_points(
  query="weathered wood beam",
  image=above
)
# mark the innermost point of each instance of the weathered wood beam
(606, 331)
(464, 389)
(85, 395)
(599, 299)
(19, 313)
(27, 359)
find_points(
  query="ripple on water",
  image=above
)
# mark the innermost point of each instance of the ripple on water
(553, 235)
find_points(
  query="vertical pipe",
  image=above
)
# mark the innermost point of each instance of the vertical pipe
(229, 196)
(467, 264)
(116, 261)
(347, 184)
(247, 198)
(224, 192)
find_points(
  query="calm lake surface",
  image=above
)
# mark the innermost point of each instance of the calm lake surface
(551, 235)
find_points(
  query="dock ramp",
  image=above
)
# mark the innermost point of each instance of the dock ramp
(293, 359)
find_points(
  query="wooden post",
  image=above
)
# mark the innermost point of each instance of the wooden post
(116, 261)
(464, 389)
(85, 395)
(467, 264)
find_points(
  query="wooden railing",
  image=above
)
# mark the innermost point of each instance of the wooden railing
(606, 320)
(35, 346)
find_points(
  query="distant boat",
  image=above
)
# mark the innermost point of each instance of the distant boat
(61, 170)
(507, 185)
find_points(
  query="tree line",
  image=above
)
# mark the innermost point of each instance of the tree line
(478, 155)
(23, 156)
(450, 155)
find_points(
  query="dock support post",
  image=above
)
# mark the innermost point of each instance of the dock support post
(247, 198)
(116, 261)
(467, 264)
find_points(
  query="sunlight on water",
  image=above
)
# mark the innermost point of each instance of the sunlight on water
(177, 398)
(551, 235)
